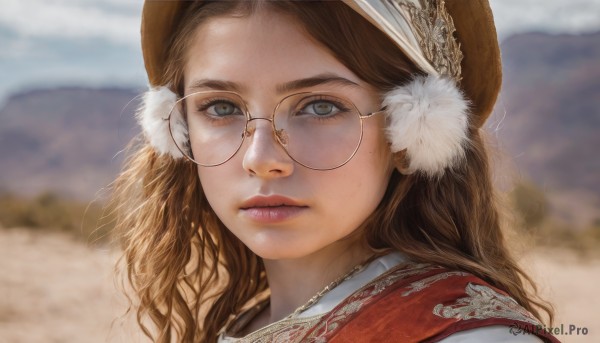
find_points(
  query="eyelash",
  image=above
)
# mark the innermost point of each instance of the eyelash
(341, 108)
(211, 102)
(206, 104)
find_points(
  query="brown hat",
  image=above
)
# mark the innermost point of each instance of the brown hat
(481, 71)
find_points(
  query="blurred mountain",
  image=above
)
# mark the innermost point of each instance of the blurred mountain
(65, 140)
(548, 117)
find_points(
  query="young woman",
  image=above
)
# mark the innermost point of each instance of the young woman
(314, 171)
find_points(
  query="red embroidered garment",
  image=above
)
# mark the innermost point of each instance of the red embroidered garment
(409, 303)
(420, 303)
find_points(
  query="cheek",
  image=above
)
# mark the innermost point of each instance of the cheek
(357, 188)
(376, 163)
(380, 144)
(378, 156)
(207, 184)
(214, 182)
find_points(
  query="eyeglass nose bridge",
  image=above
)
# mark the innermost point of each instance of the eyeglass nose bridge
(280, 135)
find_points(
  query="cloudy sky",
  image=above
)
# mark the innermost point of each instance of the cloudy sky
(45, 43)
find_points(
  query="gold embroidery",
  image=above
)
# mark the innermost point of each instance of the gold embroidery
(283, 331)
(483, 302)
(420, 285)
(434, 29)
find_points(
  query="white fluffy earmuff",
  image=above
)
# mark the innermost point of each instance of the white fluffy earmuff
(153, 117)
(428, 118)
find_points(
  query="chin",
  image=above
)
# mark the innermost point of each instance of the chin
(279, 253)
(271, 248)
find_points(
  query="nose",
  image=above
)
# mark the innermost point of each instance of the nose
(264, 156)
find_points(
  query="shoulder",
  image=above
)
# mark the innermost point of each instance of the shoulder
(491, 334)
(430, 303)
(462, 307)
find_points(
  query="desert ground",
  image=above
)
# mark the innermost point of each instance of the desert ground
(57, 289)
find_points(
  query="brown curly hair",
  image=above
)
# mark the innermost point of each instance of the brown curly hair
(189, 274)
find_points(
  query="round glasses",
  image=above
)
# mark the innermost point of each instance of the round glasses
(318, 130)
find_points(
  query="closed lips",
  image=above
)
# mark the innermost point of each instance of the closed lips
(271, 201)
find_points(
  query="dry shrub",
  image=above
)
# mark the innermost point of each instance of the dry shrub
(535, 220)
(49, 211)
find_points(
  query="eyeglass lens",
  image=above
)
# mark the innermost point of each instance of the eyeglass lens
(317, 130)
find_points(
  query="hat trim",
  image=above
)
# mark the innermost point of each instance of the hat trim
(156, 113)
(428, 120)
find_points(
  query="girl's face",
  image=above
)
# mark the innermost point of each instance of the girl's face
(276, 207)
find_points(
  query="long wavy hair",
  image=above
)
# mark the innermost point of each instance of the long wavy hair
(189, 275)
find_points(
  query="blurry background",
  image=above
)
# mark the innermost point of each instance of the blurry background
(70, 72)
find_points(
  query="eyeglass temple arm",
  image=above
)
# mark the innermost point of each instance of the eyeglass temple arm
(381, 111)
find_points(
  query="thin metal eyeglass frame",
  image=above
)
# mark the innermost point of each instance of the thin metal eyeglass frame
(249, 118)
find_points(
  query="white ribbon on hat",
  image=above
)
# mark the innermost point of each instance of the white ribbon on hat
(395, 21)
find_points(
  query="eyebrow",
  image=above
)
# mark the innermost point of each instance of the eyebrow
(216, 85)
(317, 80)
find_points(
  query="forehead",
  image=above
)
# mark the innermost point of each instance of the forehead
(258, 51)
